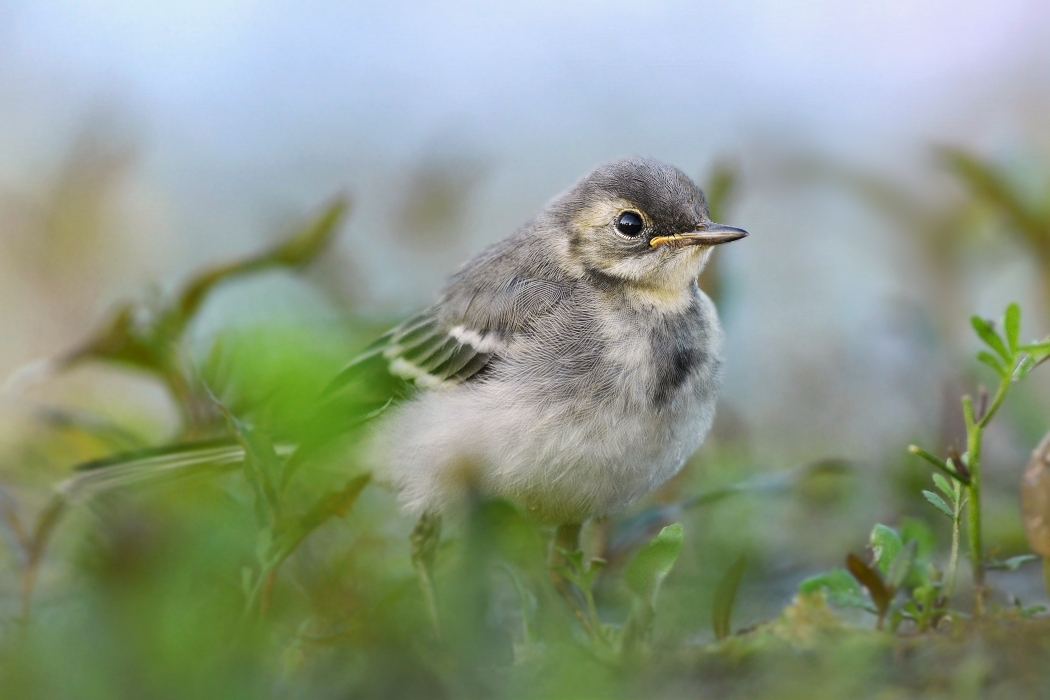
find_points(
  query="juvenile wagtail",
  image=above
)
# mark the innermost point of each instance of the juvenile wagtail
(573, 366)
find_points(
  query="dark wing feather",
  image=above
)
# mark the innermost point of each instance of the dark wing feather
(452, 341)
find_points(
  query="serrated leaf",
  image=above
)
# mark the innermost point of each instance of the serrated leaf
(725, 597)
(1012, 326)
(886, 544)
(648, 568)
(987, 333)
(901, 566)
(945, 487)
(938, 503)
(992, 361)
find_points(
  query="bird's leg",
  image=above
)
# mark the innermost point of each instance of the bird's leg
(424, 541)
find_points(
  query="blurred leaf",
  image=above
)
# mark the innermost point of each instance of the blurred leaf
(648, 568)
(1011, 564)
(1038, 349)
(722, 186)
(1023, 368)
(992, 361)
(526, 602)
(917, 531)
(945, 487)
(119, 339)
(46, 521)
(262, 466)
(839, 586)
(987, 333)
(886, 544)
(725, 597)
(993, 187)
(299, 249)
(901, 566)
(11, 527)
(1012, 326)
(870, 579)
(948, 468)
(938, 503)
(334, 504)
(1035, 499)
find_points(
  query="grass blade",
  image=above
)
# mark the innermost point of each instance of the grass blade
(725, 597)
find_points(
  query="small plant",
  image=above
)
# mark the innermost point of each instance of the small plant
(900, 565)
(901, 559)
(644, 575)
(1011, 361)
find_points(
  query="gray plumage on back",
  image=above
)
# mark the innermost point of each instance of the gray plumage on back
(573, 366)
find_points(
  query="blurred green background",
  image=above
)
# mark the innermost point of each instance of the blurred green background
(892, 161)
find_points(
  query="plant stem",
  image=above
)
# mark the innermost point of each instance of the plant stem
(973, 510)
(953, 563)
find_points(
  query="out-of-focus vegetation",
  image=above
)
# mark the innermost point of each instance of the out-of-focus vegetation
(272, 565)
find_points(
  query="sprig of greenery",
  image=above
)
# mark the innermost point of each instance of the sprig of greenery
(1011, 361)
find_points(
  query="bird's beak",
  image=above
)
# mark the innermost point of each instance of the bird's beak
(705, 234)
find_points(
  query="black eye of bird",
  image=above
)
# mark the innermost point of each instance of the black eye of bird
(629, 223)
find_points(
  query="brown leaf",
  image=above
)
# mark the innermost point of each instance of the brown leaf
(1035, 499)
(881, 595)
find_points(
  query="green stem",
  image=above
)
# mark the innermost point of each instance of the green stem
(973, 509)
(592, 613)
(953, 563)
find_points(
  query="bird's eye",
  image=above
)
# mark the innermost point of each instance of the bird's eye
(629, 224)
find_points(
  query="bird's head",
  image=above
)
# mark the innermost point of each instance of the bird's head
(639, 222)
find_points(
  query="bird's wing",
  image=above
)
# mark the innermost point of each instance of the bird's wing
(455, 339)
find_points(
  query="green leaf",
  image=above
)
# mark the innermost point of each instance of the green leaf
(725, 596)
(886, 544)
(992, 361)
(335, 503)
(945, 487)
(247, 578)
(1023, 368)
(948, 468)
(840, 588)
(916, 530)
(987, 333)
(938, 503)
(1011, 564)
(901, 566)
(1012, 326)
(648, 568)
(1040, 348)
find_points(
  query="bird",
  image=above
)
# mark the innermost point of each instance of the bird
(571, 367)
